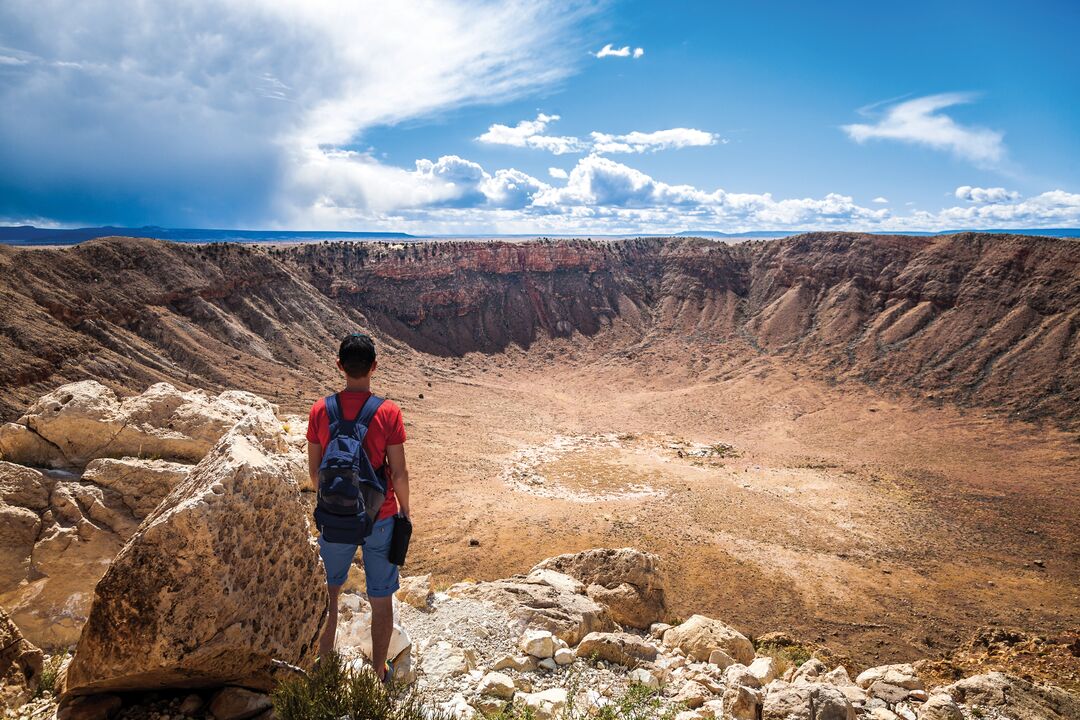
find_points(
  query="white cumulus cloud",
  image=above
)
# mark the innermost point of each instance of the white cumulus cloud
(639, 142)
(625, 51)
(985, 195)
(921, 122)
(530, 133)
(881, 200)
(558, 173)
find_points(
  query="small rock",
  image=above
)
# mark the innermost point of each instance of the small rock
(901, 675)
(891, 694)
(416, 591)
(521, 663)
(444, 660)
(739, 674)
(473, 542)
(488, 705)
(721, 659)
(700, 635)
(809, 670)
(538, 643)
(191, 704)
(564, 656)
(236, 703)
(880, 713)
(548, 664)
(456, 707)
(940, 706)
(838, 676)
(764, 669)
(645, 677)
(620, 648)
(497, 685)
(89, 707)
(546, 704)
(657, 630)
(742, 703)
(692, 694)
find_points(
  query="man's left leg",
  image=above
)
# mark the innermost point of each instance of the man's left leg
(382, 627)
(381, 577)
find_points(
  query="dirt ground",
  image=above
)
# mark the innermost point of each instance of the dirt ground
(884, 528)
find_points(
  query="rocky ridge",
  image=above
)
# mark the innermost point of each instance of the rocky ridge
(977, 319)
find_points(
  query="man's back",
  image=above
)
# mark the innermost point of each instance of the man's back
(387, 428)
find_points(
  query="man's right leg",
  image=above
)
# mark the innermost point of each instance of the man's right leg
(337, 559)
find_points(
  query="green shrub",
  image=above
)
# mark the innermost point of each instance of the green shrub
(49, 672)
(639, 702)
(786, 656)
(333, 690)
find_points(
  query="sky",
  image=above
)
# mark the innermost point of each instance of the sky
(470, 117)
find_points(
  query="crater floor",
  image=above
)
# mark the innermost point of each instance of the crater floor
(886, 528)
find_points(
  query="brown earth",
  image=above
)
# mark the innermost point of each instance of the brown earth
(901, 412)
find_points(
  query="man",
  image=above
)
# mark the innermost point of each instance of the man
(383, 445)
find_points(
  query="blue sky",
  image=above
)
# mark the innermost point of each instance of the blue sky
(471, 117)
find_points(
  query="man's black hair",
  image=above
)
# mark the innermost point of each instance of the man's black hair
(357, 353)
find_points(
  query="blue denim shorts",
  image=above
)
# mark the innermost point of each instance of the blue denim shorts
(380, 575)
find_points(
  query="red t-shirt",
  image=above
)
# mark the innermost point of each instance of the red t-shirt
(387, 428)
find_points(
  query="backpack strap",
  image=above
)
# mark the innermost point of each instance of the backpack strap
(333, 414)
(371, 406)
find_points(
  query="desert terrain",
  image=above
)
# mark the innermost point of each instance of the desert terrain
(867, 442)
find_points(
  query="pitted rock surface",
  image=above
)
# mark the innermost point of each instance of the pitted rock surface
(220, 579)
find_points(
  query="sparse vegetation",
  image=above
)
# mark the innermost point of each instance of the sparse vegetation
(786, 656)
(49, 673)
(333, 690)
(637, 703)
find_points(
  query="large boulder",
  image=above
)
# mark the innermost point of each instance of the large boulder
(700, 635)
(626, 581)
(806, 702)
(221, 579)
(540, 603)
(20, 665)
(85, 420)
(1014, 697)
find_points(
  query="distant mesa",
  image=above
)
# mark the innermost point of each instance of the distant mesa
(30, 235)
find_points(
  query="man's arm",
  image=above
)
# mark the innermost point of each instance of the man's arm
(314, 458)
(399, 475)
